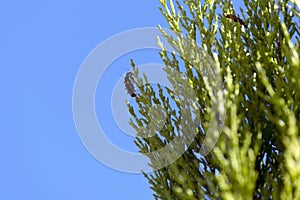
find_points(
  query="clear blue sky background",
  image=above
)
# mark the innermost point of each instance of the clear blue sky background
(42, 46)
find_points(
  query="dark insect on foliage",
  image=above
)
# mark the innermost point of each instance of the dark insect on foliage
(129, 85)
(236, 19)
(278, 48)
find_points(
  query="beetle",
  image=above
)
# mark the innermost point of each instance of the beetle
(128, 81)
(236, 19)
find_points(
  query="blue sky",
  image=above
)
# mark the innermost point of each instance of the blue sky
(43, 44)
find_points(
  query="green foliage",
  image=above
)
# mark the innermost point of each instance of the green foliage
(258, 153)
